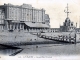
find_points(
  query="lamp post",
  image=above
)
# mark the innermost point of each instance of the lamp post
(37, 39)
(75, 33)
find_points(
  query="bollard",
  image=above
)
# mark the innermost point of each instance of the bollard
(63, 38)
(69, 39)
(66, 38)
(75, 39)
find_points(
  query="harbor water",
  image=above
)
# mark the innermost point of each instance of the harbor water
(45, 49)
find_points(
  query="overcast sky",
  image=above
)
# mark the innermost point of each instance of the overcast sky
(55, 9)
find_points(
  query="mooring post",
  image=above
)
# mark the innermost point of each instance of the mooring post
(69, 38)
(75, 39)
(63, 37)
(66, 38)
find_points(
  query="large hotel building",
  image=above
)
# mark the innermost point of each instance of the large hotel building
(24, 17)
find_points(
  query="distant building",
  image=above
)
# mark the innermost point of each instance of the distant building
(24, 17)
(47, 19)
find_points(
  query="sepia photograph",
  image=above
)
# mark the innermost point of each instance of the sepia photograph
(39, 29)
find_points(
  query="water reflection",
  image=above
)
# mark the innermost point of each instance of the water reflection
(52, 49)
(9, 52)
(44, 49)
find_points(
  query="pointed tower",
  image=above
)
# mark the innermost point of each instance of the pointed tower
(67, 25)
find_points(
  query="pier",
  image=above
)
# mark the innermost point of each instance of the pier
(59, 37)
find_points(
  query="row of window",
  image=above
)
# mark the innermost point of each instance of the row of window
(24, 18)
(25, 10)
(13, 15)
(1, 16)
(1, 21)
(43, 30)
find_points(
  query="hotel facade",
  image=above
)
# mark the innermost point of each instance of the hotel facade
(24, 17)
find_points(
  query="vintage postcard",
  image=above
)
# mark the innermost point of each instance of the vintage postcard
(39, 29)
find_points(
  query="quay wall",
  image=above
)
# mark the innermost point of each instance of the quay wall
(14, 38)
(21, 38)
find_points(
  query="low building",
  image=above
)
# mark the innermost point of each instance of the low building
(54, 30)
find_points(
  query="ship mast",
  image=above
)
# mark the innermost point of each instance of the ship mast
(67, 11)
(79, 21)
